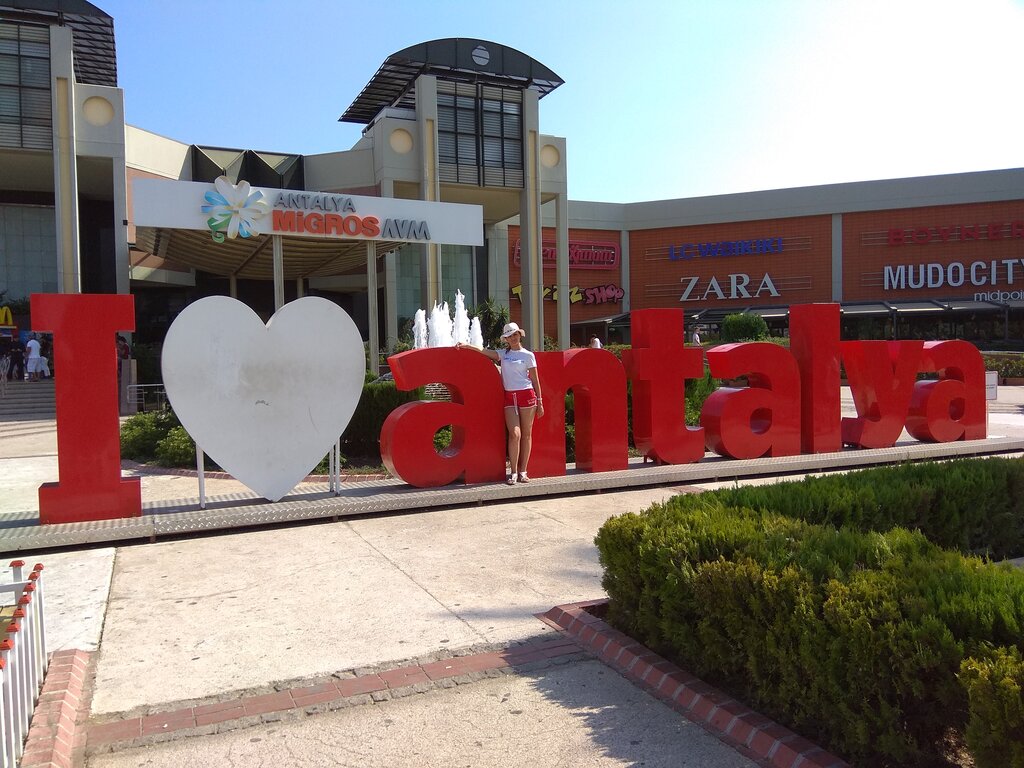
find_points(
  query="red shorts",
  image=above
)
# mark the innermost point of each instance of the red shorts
(520, 398)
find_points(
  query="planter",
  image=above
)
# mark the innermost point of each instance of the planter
(1013, 381)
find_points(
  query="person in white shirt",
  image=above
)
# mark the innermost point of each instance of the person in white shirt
(595, 343)
(523, 401)
(33, 363)
(696, 336)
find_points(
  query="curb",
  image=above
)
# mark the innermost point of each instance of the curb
(57, 733)
(733, 722)
(324, 694)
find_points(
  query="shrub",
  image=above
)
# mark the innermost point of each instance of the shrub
(697, 391)
(362, 435)
(140, 434)
(974, 506)
(744, 327)
(176, 449)
(852, 638)
(995, 731)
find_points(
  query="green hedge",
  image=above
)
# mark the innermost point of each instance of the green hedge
(158, 435)
(974, 506)
(361, 438)
(995, 733)
(1007, 365)
(854, 639)
(141, 434)
(744, 327)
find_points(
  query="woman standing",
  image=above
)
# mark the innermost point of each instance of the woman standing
(523, 401)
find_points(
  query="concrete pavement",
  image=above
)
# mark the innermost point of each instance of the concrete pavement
(194, 621)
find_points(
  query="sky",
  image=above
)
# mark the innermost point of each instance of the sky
(661, 100)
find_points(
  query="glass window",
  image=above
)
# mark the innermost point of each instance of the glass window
(35, 72)
(482, 130)
(25, 86)
(10, 103)
(8, 70)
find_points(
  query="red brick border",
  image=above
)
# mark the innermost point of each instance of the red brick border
(325, 692)
(730, 720)
(57, 732)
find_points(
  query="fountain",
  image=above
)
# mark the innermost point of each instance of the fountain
(476, 336)
(419, 330)
(460, 327)
(440, 330)
(439, 327)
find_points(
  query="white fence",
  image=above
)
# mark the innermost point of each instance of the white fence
(22, 658)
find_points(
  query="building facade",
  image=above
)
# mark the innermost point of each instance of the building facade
(457, 120)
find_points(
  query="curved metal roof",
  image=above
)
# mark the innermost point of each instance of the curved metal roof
(454, 58)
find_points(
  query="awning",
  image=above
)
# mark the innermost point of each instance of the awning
(865, 309)
(611, 321)
(972, 306)
(917, 306)
(253, 258)
(769, 312)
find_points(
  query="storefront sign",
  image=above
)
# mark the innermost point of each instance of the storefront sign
(232, 211)
(791, 406)
(582, 255)
(999, 230)
(737, 287)
(898, 277)
(600, 294)
(725, 248)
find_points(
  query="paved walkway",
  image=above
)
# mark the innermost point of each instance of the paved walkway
(198, 624)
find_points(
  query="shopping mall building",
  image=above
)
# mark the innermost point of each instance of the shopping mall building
(457, 121)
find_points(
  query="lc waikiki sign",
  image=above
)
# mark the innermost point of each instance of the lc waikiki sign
(792, 403)
(232, 211)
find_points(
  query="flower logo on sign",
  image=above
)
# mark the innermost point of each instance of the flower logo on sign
(233, 210)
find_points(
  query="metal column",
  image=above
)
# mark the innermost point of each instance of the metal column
(278, 244)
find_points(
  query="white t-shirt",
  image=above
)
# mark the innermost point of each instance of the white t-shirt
(32, 348)
(515, 369)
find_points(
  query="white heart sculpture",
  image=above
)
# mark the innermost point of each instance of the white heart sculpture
(266, 402)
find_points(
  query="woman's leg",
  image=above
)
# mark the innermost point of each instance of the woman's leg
(514, 434)
(526, 416)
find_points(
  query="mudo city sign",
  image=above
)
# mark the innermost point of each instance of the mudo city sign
(791, 406)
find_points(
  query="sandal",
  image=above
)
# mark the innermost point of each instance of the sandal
(511, 480)
(523, 478)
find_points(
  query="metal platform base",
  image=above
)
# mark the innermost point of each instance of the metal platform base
(22, 533)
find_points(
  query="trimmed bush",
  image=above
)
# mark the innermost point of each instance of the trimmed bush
(362, 435)
(176, 449)
(995, 732)
(141, 434)
(854, 639)
(744, 327)
(973, 506)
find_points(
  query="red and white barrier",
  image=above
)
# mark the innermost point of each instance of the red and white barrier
(23, 660)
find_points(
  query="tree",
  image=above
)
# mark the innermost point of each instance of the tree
(493, 318)
(744, 327)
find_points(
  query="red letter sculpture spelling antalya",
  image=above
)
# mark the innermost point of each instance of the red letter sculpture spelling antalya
(84, 328)
(598, 384)
(477, 449)
(659, 365)
(952, 408)
(882, 376)
(762, 419)
(814, 343)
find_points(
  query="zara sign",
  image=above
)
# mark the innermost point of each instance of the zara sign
(268, 405)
